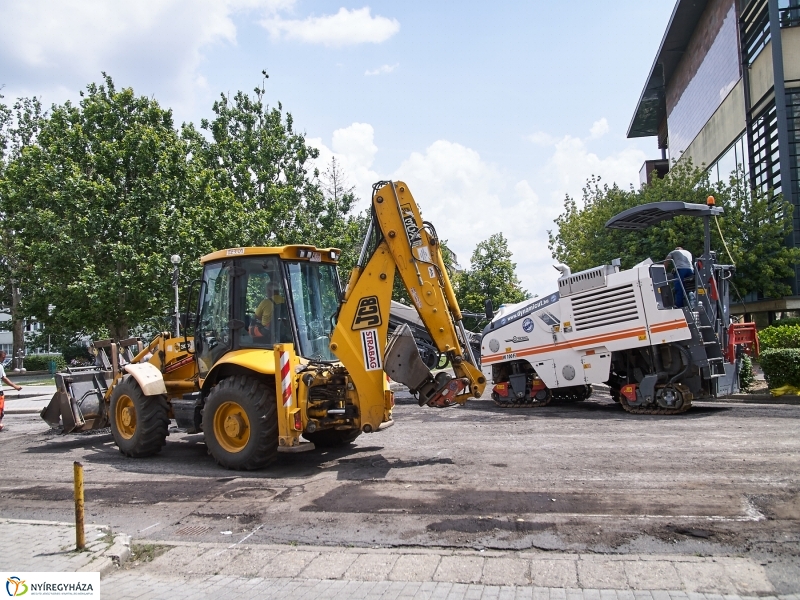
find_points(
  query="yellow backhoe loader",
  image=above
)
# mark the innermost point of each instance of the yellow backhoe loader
(279, 351)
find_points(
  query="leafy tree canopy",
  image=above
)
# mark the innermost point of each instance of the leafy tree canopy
(96, 196)
(754, 226)
(492, 275)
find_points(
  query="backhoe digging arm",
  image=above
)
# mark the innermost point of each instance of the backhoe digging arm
(398, 240)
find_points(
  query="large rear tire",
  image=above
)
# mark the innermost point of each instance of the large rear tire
(139, 423)
(240, 423)
(330, 438)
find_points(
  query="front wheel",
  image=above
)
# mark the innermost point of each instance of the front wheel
(139, 423)
(240, 422)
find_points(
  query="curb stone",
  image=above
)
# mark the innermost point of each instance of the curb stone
(113, 557)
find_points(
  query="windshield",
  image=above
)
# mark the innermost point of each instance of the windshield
(315, 299)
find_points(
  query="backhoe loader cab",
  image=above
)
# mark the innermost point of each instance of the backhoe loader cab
(254, 298)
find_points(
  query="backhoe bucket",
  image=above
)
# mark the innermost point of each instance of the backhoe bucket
(79, 402)
(403, 364)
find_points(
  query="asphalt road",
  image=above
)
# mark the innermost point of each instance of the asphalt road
(720, 480)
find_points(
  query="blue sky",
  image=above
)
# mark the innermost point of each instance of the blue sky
(490, 111)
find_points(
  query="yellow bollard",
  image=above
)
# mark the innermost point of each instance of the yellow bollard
(80, 539)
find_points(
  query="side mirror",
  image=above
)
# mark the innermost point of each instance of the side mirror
(187, 320)
(489, 309)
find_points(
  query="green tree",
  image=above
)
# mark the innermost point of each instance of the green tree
(255, 155)
(96, 196)
(95, 201)
(339, 227)
(18, 129)
(754, 226)
(491, 274)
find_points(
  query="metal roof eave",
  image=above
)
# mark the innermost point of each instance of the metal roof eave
(645, 215)
(652, 107)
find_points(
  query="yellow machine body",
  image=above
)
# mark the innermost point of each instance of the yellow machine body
(251, 402)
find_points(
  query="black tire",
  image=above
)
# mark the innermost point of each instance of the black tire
(240, 423)
(139, 423)
(330, 438)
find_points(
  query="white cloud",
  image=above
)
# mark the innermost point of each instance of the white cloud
(468, 199)
(345, 28)
(50, 43)
(540, 138)
(382, 70)
(355, 150)
(599, 129)
(572, 164)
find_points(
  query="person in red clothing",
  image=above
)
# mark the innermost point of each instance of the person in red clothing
(7, 381)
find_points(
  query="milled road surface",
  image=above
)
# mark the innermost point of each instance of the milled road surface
(579, 477)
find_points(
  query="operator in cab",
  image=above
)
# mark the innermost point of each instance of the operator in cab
(682, 261)
(265, 327)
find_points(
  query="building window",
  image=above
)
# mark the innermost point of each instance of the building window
(734, 158)
(691, 106)
(789, 11)
(766, 155)
(755, 25)
(793, 126)
(755, 30)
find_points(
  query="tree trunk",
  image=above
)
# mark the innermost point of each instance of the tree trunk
(18, 329)
(119, 331)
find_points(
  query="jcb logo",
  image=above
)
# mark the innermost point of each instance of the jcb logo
(368, 313)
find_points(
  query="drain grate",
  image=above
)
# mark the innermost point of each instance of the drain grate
(193, 530)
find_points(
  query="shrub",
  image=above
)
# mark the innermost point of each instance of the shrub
(78, 351)
(781, 366)
(746, 375)
(787, 336)
(787, 322)
(40, 362)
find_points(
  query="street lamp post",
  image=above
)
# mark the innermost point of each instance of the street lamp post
(175, 259)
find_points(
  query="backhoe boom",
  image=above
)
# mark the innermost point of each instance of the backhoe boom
(399, 241)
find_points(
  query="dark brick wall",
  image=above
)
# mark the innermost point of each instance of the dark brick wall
(707, 71)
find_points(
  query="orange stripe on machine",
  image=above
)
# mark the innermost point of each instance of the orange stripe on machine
(583, 342)
(660, 327)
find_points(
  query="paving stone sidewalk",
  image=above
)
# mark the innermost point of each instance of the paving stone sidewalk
(220, 571)
(50, 546)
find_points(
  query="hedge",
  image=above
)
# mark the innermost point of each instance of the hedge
(746, 375)
(787, 336)
(787, 322)
(40, 362)
(781, 367)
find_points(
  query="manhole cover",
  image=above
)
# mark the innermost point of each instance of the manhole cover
(193, 530)
(249, 492)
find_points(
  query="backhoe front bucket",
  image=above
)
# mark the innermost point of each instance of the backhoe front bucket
(403, 364)
(79, 402)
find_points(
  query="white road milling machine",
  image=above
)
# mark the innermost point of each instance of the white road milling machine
(622, 328)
